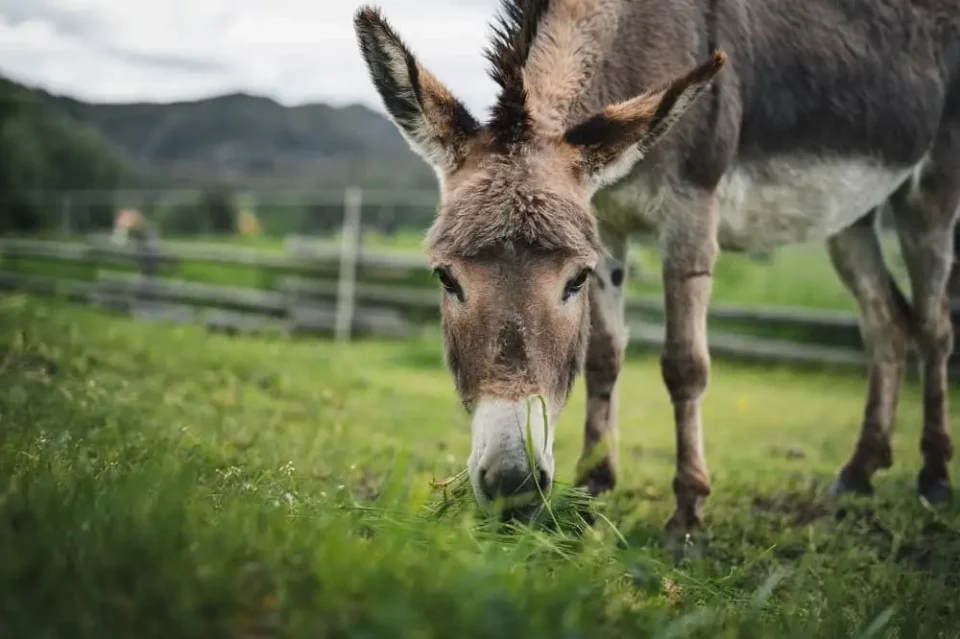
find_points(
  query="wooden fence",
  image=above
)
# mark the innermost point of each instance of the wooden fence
(313, 287)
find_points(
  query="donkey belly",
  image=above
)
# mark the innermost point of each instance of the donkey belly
(764, 205)
(783, 201)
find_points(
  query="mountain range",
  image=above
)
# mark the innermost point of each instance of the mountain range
(248, 140)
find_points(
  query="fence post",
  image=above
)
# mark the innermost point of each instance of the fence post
(351, 240)
(147, 260)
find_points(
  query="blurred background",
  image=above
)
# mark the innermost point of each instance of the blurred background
(230, 163)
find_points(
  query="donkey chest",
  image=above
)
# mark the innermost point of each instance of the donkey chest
(763, 206)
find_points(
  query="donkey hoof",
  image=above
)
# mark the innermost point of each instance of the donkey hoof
(936, 492)
(593, 487)
(847, 483)
(597, 480)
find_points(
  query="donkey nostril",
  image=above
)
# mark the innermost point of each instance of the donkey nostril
(544, 480)
(504, 482)
(487, 486)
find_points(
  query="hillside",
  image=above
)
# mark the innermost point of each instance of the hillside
(248, 139)
(42, 152)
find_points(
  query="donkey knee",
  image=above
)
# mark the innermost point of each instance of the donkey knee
(603, 362)
(934, 332)
(686, 372)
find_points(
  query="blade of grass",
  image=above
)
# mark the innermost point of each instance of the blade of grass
(532, 465)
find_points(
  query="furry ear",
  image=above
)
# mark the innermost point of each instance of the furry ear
(435, 124)
(611, 142)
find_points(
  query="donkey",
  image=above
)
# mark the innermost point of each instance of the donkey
(723, 125)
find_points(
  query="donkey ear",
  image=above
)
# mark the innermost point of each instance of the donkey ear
(435, 124)
(611, 142)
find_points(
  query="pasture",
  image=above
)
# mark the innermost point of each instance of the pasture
(162, 481)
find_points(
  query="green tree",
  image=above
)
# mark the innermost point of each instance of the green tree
(43, 152)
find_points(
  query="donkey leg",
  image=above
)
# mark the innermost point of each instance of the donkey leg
(884, 318)
(597, 468)
(689, 253)
(925, 211)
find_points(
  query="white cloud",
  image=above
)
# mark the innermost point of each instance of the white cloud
(292, 50)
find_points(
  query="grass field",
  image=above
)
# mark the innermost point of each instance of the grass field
(158, 481)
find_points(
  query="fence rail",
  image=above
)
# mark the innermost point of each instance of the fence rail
(345, 290)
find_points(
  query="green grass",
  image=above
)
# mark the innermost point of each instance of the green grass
(161, 482)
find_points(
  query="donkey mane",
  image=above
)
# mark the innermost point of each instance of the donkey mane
(514, 33)
(544, 55)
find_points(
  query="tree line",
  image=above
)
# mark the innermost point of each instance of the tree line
(42, 152)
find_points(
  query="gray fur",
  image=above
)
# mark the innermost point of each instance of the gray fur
(815, 114)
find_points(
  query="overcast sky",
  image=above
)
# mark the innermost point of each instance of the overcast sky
(291, 50)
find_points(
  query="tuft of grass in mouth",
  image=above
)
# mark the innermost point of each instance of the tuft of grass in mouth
(568, 510)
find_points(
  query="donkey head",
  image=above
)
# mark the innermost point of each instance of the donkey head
(515, 239)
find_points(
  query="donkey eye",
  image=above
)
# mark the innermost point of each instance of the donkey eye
(574, 285)
(449, 284)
